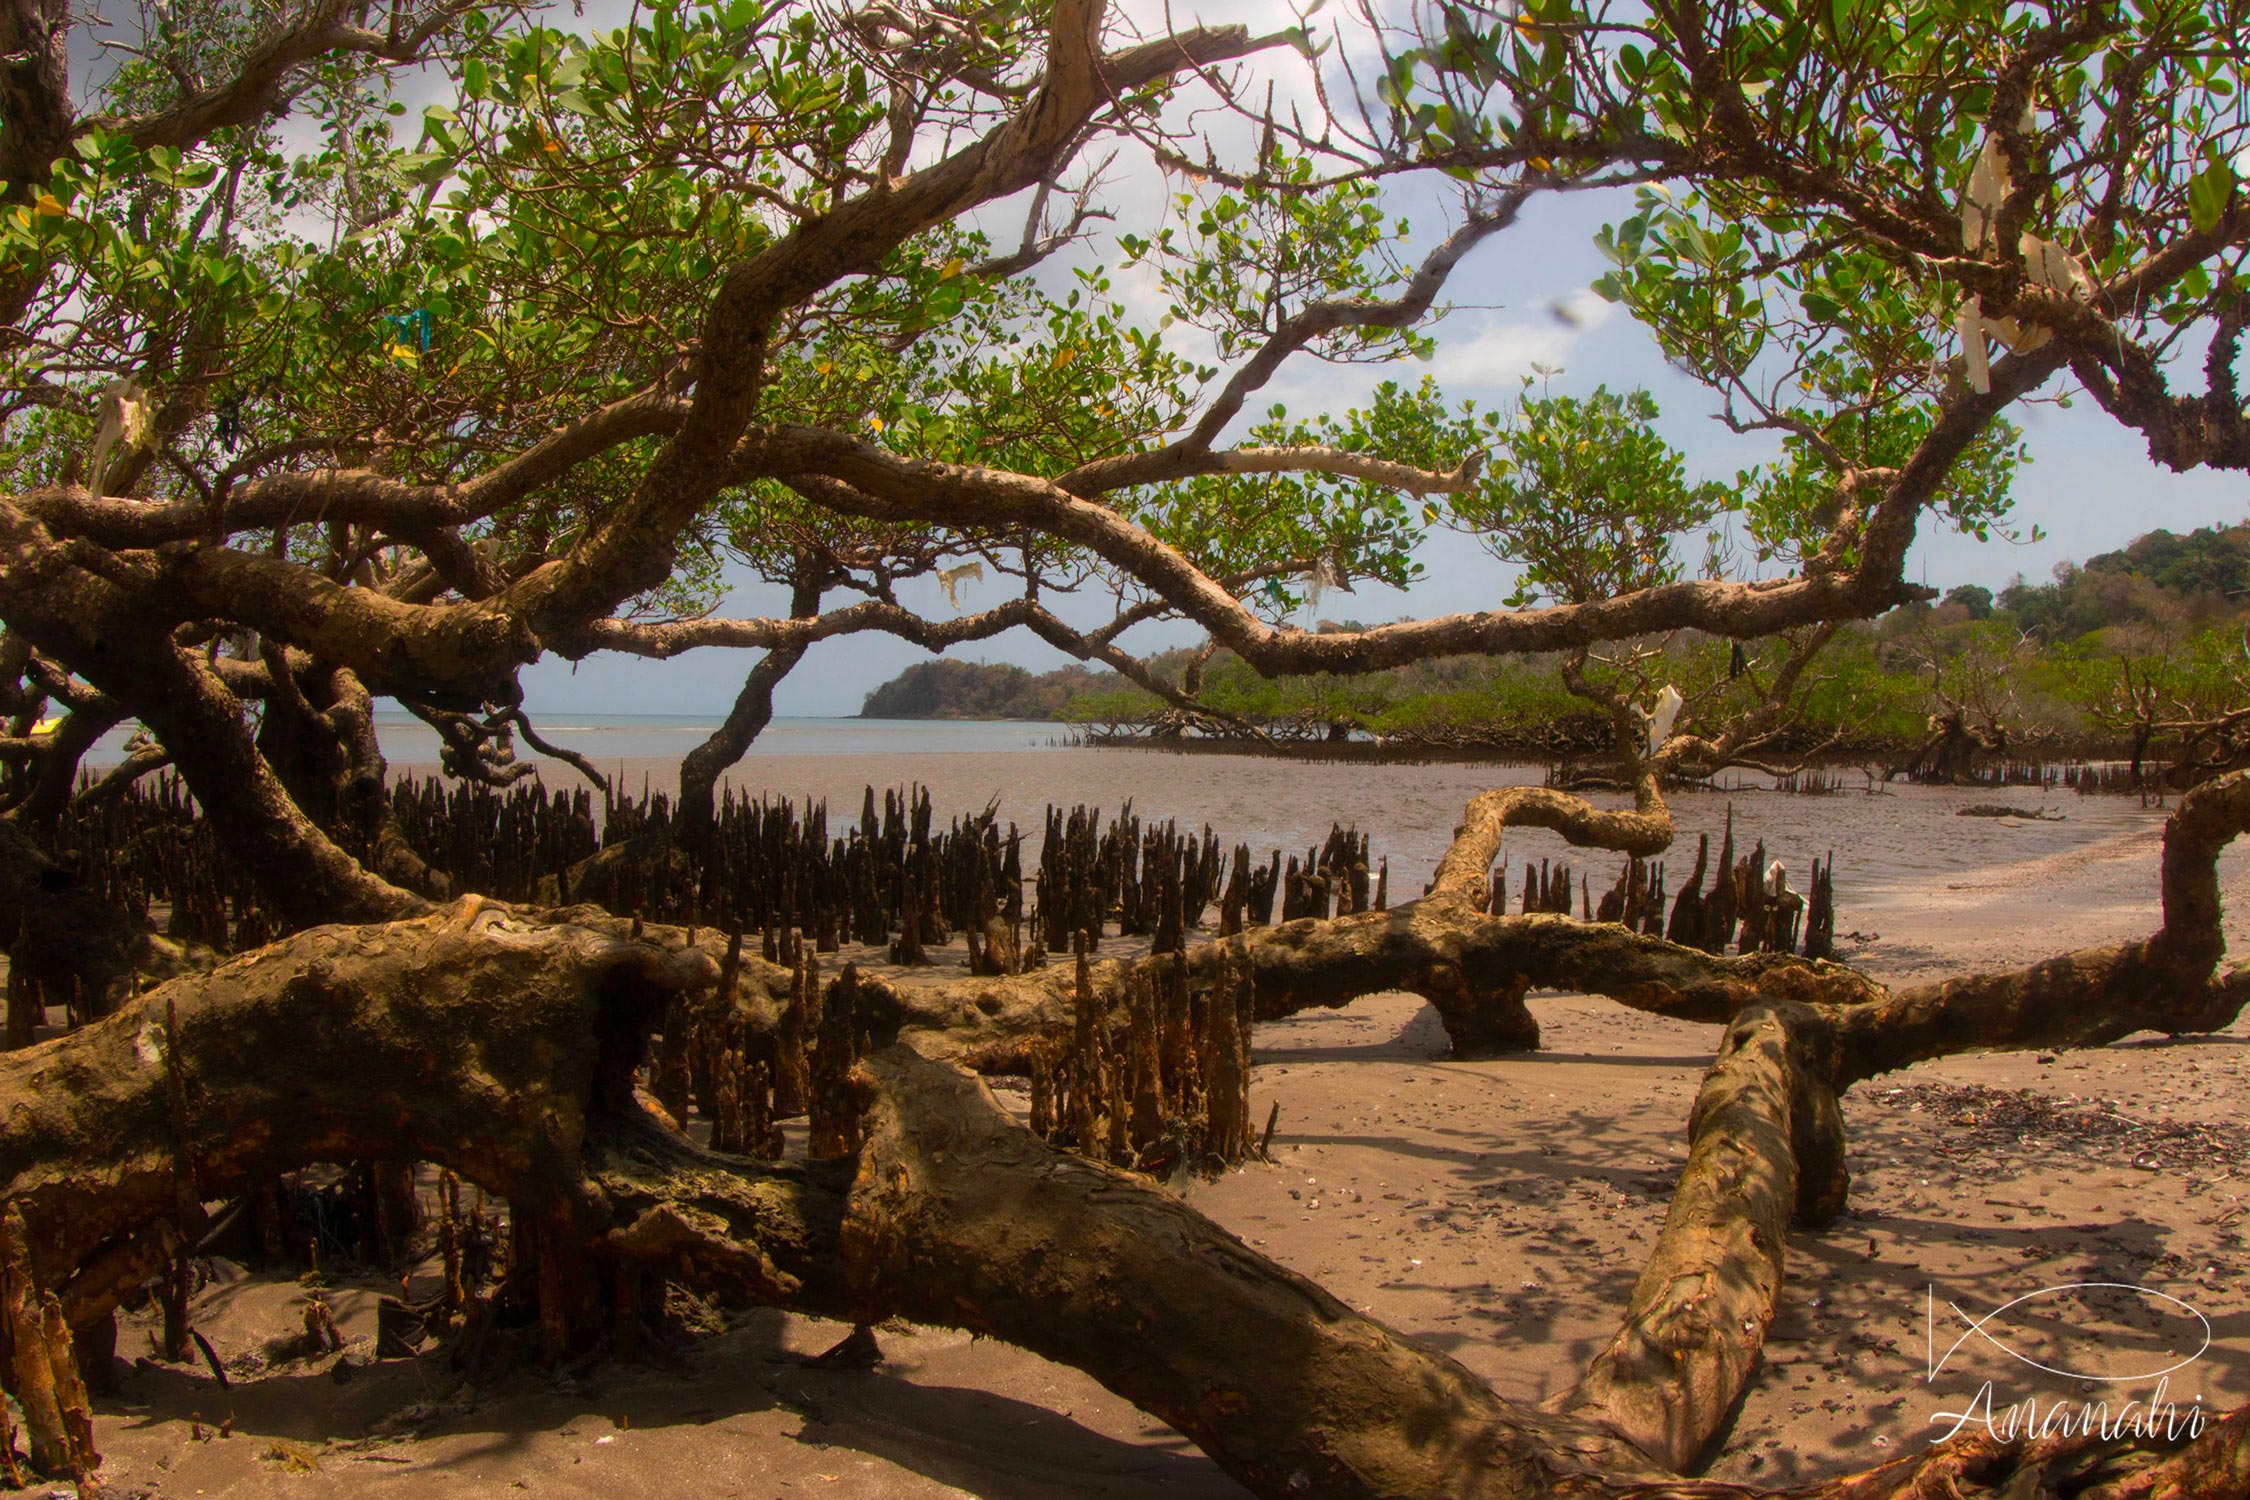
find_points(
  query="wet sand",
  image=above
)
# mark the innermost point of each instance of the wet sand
(1499, 1211)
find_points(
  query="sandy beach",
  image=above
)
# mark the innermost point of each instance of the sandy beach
(1498, 1211)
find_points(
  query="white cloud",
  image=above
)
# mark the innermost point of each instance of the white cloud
(1481, 354)
(1488, 357)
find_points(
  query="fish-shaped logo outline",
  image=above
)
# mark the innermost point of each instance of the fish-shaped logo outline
(1934, 1362)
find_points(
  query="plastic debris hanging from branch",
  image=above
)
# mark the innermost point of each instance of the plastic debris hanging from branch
(1988, 189)
(1325, 574)
(1663, 716)
(2048, 264)
(127, 419)
(951, 579)
(406, 336)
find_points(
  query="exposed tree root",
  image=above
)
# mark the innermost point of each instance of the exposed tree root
(1642, 832)
(504, 1046)
(1765, 1146)
(1474, 968)
(474, 1038)
(960, 1216)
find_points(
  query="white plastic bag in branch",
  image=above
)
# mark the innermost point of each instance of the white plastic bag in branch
(1987, 190)
(1662, 717)
(127, 418)
(951, 579)
(2050, 267)
(1989, 184)
(2047, 264)
(1974, 328)
(2056, 269)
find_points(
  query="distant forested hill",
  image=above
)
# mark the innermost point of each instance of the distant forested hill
(2179, 599)
(2159, 577)
(981, 690)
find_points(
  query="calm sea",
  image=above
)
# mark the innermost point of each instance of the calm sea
(607, 738)
(610, 738)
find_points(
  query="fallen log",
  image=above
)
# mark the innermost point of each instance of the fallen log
(1765, 1147)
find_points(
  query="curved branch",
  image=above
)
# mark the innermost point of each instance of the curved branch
(663, 640)
(2091, 996)
(121, 777)
(1462, 872)
(858, 479)
(670, 638)
(359, 496)
(1192, 454)
(1441, 949)
(701, 768)
(53, 758)
(1365, 466)
(2209, 818)
(633, 550)
(261, 84)
(569, 757)
(101, 628)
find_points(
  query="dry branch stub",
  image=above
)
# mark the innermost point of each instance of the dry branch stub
(57, 1415)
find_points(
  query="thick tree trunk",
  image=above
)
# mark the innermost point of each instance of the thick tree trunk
(116, 638)
(301, 872)
(1487, 1020)
(961, 1215)
(318, 735)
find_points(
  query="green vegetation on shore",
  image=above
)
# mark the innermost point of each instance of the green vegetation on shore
(2066, 665)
